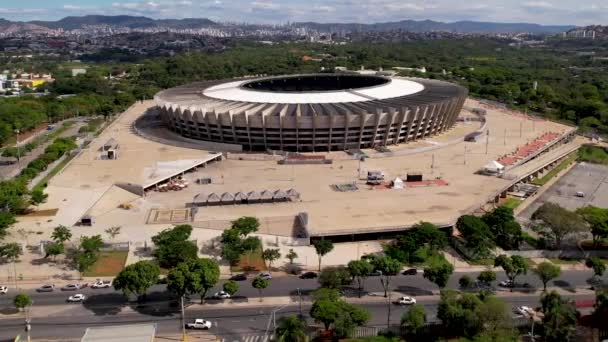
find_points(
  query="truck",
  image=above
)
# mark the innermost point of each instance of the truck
(101, 284)
(199, 323)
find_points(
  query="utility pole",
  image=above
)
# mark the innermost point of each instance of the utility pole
(505, 137)
(28, 326)
(18, 148)
(300, 299)
(521, 129)
(465, 155)
(388, 316)
(183, 319)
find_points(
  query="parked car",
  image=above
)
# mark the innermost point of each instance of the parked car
(580, 194)
(71, 287)
(46, 288)
(308, 275)
(410, 271)
(239, 277)
(376, 273)
(406, 301)
(506, 283)
(265, 275)
(220, 295)
(77, 298)
(101, 284)
(199, 323)
(525, 311)
(3, 289)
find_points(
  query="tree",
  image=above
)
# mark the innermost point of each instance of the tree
(173, 247)
(494, 318)
(137, 278)
(486, 277)
(291, 329)
(546, 271)
(597, 265)
(558, 221)
(245, 225)
(414, 319)
(439, 273)
(601, 307)
(180, 280)
(83, 261)
(11, 251)
(360, 270)
(61, 234)
(507, 232)
(91, 244)
(325, 311)
(22, 300)
(270, 255)
(230, 287)
(37, 197)
(6, 220)
(428, 233)
(389, 268)
(513, 266)
(560, 317)
(597, 219)
(345, 317)
(479, 239)
(53, 249)
(260, 284)
(322, 247)
(334, 277)
(457, 313)
(208, 272)
(291, 256)
(113, 232)
(465, 282)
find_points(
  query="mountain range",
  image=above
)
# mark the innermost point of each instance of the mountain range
(76, 22)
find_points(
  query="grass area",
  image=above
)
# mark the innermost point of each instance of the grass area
(425, 257)
(250, 262)
(511, 202)
(564, 164)
(482, 262)
(42, 183)
(108, 264)
(593, 154)
(601, 245)
(559, 261)
(530, 240)
(92, 126)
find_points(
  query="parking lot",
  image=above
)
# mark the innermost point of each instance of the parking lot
(590, 179)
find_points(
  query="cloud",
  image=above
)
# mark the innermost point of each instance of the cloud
(538, 4)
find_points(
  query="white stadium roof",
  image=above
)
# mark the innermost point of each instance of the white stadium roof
(232, 91)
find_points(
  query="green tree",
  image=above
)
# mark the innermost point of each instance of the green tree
(181, 280)
(325, 311)
(230, 287)
(465, 282)
(486, 277)
(360, 270)
(270, 255)
(559, 317)
(513, 266)
(113, 231)
(322, 247)
(414, 319)
(6, 220)
(559, 222)
(91, 244)
(291, 256)
(260, 284)
(506, 231)
(344, 316)
(600, 313)
(22, 300)
(53, 249)
(597, 219)
(246, 225)
(597, 265)
(479, 239)
(83, 261)
(208, 272)
(137, 278)
(334, 277)
(494, 318)
(11, 251)
(439, 273)
(173, 246)
(61, 234)
(389, 268)
(428, 233)
(457, 313)
(291, 329)
(37, 197)
(546, 271)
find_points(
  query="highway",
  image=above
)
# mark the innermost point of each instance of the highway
(236, 321)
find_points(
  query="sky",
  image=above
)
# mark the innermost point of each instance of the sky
(552, 12)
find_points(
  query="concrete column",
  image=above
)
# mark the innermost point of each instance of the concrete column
(423, 116)
(248, 122)
(264, 130)
(346, 116)
(389, 125)
(281, 119)
(208, 125)
(377, 117)
(331, 127)
(404, 113)
(411, 116)
(361, 128)
(314, 131)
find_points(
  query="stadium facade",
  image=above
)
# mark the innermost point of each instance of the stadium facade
(313, 112)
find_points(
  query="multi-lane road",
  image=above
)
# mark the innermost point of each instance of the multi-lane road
(236, 322)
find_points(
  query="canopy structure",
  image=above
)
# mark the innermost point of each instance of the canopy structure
(252, 197)
(493, 166)
(227, 197)
(239, 196)
(398, 183)
(293, 194)
(279, 195)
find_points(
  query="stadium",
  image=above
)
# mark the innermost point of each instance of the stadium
(314, 112)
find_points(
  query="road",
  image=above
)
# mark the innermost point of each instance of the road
(107, 307)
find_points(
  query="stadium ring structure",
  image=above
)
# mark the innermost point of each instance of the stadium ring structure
(311, 112)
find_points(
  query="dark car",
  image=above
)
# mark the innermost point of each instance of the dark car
(239, 277)
(308, 275)
(410, 271)
(376, 273)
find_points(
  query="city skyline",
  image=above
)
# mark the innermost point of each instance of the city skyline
(557, 12)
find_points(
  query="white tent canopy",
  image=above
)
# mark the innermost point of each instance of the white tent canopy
(398, 183)
(494, 166)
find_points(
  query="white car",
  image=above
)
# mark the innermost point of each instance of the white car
(3, 289)
(221, 295)
(71, 287)
(406, 301)
(77, 298)
(199, 323)
(265, 275)
(524, 311)
(101, 284)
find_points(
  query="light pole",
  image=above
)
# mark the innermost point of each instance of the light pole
(18, 148)
(183, 318)
(300, 300)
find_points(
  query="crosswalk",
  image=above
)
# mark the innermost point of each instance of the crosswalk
(247, 338)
